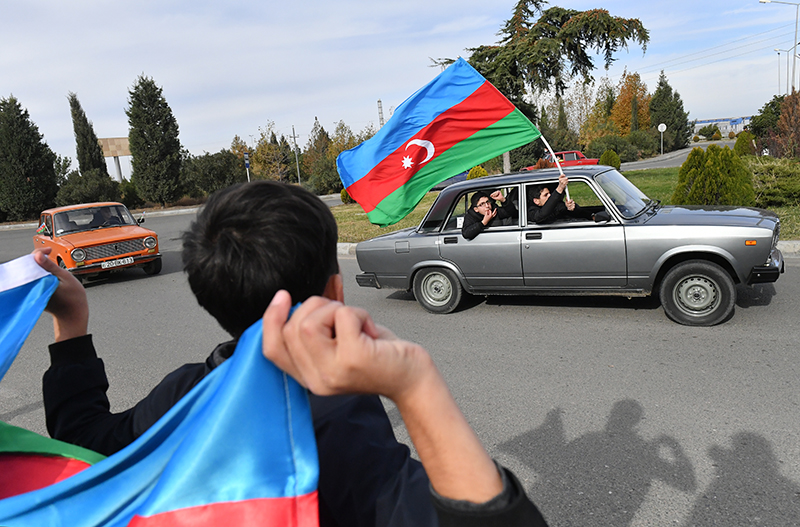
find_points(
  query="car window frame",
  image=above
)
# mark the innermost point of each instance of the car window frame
(572, 222)
(466, 195)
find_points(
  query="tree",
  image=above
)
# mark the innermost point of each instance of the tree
(271, 158)
(788, 133)
(766, 120)
(211, 172)
(666, 107)
(90, 154)
(154, 144)
(599, 124)
(321, 169)
(631, 94)
(546, 53)
(27, 165)
(62, 168)
(714, 177)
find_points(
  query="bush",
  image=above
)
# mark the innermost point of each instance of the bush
(129, 197)
(731, 135)
(610, 158)
(477, 172)
(346, 197)
(543, 163)
(716, 176)
(93, 185)
(776, 181)
(646, 143)
(717, 136)
(626, 151)
(744, 144)
(709, 130)
(696, 138)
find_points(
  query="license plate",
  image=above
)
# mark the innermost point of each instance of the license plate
(117, 263)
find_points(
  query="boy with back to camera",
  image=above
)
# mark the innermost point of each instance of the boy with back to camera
(254, 250)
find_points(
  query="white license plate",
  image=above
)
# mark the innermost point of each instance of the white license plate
(117, 263)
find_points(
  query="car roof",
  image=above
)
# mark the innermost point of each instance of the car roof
(80, 206)
(530, 176)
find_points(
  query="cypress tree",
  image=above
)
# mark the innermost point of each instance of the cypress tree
(90, 154)
(27, 165)
(715, 177)
(154, 144)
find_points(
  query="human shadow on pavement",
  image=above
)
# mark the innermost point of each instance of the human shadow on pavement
(600, 478)
(747, 489)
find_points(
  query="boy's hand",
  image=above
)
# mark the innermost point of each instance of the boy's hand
(332, 349)
(68, 305)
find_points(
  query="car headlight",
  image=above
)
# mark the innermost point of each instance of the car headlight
(78, 255)
(150, 242)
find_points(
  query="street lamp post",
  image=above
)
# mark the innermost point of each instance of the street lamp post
(794, 47)
(787, 51)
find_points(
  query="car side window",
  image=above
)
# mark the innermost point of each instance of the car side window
(456, 220)
(586, 200)
(570, 156)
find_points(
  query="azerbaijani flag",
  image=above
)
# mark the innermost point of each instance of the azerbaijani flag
(237, 450)
(457, 121)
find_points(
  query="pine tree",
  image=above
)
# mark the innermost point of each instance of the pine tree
(154, 144)
(666, 107)
(27, 165)
(714, 177)
(321, 170)
(90, 154)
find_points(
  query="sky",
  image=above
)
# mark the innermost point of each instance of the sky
(230, 68)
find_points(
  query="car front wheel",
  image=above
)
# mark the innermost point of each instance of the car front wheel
(698, 293)
(437, 290)
(153, 267)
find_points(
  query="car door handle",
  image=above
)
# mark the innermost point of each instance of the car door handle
(533, 236)
(451, 239)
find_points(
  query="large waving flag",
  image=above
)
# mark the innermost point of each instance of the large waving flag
(455, 122)
(238, 450)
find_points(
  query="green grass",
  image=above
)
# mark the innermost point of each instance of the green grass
(657, 183)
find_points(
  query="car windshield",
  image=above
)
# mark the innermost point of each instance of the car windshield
(629, 200)
(91, 218)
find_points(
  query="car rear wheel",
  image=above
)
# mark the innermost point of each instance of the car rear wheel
(437, 290)
(153, 267)
(698, 293)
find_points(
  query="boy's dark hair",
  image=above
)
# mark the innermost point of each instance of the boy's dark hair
(477, 197)
(252, 239)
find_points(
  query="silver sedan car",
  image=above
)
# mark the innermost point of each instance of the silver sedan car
(622, 244)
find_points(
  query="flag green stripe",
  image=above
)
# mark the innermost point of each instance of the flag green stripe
(512, 131)
(20, 441)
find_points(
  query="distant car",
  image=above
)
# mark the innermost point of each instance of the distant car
(569, 158)
(691, 257)
(94, 238)
(449, 181)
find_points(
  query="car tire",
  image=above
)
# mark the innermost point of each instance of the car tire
(61, 264)
(698, 293)
(437, 290)
(153, 267)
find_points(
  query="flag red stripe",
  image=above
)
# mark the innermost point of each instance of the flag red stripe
(299, 511)
(20, 473)
(483, 108)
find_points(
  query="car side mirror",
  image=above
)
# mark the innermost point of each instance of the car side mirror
(140, 220)
(601, 216)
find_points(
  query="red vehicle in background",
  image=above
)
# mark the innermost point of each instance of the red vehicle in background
(571, 158)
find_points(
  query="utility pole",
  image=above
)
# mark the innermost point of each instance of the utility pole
(296, 160)
(380, 113)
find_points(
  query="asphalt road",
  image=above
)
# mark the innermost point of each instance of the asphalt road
(608, 412)
(672, 159)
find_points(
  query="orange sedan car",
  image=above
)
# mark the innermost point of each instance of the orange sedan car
(93, 238)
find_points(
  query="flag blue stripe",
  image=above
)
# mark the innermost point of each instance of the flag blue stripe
(451, 87)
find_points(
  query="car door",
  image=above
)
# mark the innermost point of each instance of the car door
(491, 260)
(576, 253)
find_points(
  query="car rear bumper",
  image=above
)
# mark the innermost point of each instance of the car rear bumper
(762, 274)
(368, 280)
(98, 267)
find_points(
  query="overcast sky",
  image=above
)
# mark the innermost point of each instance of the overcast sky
(227, 68)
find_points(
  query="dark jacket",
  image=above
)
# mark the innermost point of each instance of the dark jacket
(366, 477)
(473, 221)
(554, 209)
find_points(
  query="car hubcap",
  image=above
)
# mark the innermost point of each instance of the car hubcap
(696, 295)
(436, 288)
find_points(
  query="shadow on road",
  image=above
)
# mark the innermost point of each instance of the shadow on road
(603, 477)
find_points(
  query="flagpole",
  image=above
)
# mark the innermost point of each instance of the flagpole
(553, 155)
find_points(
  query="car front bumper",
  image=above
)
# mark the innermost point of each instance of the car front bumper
(763, 274)
(98, 267)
